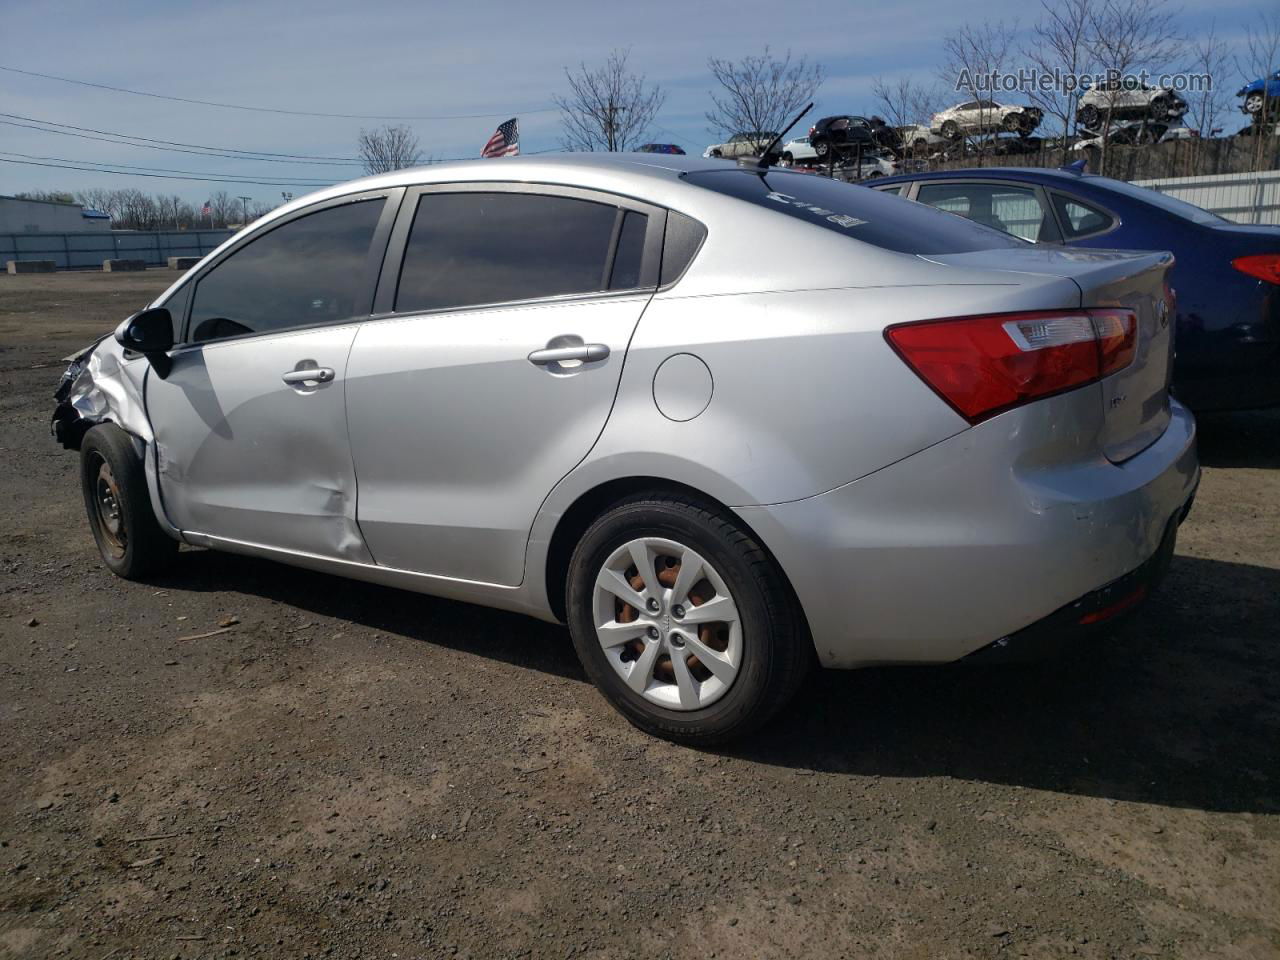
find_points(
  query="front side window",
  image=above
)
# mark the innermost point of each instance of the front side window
(1079, 219)
(472, 248)
(306, 271)
(1016, 210)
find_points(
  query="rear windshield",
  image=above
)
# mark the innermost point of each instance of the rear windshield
(871, 216)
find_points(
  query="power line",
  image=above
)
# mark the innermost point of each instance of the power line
(199, 150)
(303, 181)
(296, 113)
(177, 143)
(159, 176)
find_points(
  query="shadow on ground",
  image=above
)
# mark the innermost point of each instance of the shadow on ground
(1181, 706)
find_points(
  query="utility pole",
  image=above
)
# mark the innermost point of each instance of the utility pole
(245, 202)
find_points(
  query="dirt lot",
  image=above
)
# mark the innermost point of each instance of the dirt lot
(351, 771)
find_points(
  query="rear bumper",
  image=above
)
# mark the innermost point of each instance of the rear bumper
(978, 537)
(1095, 612)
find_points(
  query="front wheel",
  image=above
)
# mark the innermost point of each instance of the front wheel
(950, 129)
(683, 621)
(115, 495)
(1253, 103)
(1089, 117)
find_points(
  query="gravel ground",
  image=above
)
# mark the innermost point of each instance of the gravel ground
(350, 771)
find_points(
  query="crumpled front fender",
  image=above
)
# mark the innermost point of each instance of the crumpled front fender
(101, 384)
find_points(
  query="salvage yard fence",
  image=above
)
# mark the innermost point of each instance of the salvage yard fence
(73, 251)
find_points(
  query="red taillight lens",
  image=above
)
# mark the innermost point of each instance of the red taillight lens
(1264, 266)
(986, 365)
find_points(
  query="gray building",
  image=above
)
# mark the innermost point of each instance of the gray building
(49, 216)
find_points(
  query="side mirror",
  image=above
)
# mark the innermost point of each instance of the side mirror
(149, 332)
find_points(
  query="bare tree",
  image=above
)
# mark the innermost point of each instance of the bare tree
(1061, 42)
(1208, 58)
(760, 92)
(222, 207)
(905, 103)
(1125, 37)
(388, 148)
(974, 54)
(609, 107)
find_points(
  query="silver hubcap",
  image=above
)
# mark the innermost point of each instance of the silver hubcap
(668, 624)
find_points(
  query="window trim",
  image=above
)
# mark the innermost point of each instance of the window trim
(393, 262)
(381, 234)
(1090, 202)
(1042, 195)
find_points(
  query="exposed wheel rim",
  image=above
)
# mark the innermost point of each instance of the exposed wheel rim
(667, 623)
(1253, 102)
(106, 502)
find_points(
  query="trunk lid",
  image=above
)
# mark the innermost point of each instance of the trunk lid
(1135, 400)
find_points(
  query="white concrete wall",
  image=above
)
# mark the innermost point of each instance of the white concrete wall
(1242, 197)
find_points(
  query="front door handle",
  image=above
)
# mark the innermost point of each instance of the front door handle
(586, 352)
(308, 375)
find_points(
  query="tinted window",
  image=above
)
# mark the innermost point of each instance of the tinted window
(471, 248)
(1079, 218)
(894, 190)
(1014, 209)
(854, 211)
(684, 237)
(310, 270)
(626, 262)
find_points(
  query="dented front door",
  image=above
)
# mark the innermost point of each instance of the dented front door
(252, 441)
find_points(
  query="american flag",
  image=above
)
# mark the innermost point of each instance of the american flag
(205, 210)
(505, 141)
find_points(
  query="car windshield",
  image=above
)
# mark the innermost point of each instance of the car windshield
(1179, 208)
(871, 216)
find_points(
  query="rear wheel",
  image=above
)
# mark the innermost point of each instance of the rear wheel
(119, 507)
(950, 129)
(683, 621)
(1089, 117)
(822, 148)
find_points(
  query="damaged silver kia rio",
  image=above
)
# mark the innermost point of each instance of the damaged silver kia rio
(723, 421)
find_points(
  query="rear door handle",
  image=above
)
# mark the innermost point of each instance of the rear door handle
(585, 352)
(311, 374)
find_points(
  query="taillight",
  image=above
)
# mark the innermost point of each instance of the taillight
(983, 366)
(1264, 266)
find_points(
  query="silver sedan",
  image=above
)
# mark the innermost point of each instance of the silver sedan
(725, 422)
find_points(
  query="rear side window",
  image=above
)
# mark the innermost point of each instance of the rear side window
(307, 271)
(855, 211)
(1079, 219)
(472, 248)
(684, 238)
(1007, 207)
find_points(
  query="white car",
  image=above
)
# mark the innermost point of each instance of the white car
(799, 149)
(985, 116)
(873, 167)
(917, 138)
(741, 145)
(1122, 100)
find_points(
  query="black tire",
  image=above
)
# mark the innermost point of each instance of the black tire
(1013, 122)
(1253, 104)
(1089, 116)
(717, 154)
(822, 148)
(776, 650)
(119, 507)
(950, 129)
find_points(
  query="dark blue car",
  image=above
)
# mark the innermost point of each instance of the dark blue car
(1226, 279)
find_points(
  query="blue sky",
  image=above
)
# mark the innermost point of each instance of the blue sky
(424, 59)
